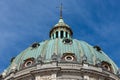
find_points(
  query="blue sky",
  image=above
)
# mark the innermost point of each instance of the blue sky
(23, 22)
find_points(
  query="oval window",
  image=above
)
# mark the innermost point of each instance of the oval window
(28, 63)
(106, 66)
(69, 58)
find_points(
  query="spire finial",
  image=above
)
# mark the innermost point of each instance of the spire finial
(61, 7)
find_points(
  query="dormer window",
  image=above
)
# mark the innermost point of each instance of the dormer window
(67, 41)
(97, 48)
(35, 45)
(12, 59)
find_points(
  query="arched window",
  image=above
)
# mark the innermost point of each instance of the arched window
(57, 34)
(61, 35)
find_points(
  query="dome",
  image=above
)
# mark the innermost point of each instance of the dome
(61, 58)
(48, 48)
(71, 57)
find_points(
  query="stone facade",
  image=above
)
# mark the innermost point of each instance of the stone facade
(62, 71)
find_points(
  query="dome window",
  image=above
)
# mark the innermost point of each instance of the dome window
(28, 62)
(106, 66)
(67, 41)
(57, 34)
(61, 35)
(12, 59)
(35, 45)
(98, 48)
(68, 57)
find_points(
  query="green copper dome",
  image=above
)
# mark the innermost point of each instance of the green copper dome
(58, 46)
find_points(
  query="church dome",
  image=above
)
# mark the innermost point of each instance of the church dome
(61, 58)
(62, 47)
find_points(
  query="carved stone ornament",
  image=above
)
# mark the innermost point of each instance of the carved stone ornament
(13, 67)
(84, 59)
(54, 57)
(39, 59)
(98, 63)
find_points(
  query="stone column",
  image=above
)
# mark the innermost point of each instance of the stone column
(68, 35)
(58, 34)
(64, 34)
(54, 35)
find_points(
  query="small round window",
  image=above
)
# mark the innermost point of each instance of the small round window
(69, 58)
(28, 63)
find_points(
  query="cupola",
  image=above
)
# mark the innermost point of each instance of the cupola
(61, 29)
